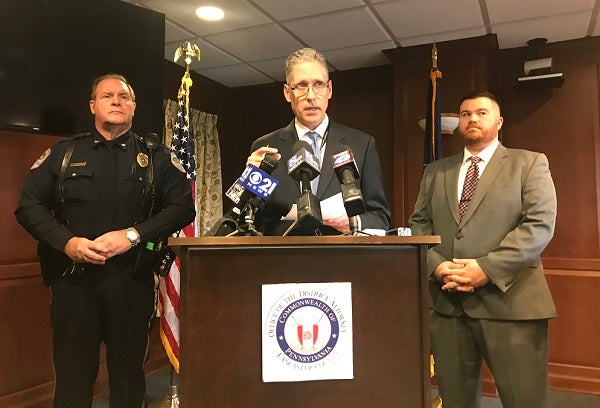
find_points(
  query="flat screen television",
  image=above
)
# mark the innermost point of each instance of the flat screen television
(51, 50)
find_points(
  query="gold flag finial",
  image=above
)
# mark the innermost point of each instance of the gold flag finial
(189, 50)
(434, 56)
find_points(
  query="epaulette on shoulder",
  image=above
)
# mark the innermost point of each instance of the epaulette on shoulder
(81, 135)
(77, 136)
(164, 147)
(151, 140)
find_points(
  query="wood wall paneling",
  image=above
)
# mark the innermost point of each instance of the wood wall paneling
(253, 111)
(26, 368)
(464, 66)
(361, 99)
(26, 359)
(386, 102)
(563, 123)
(26, 372)
(574, 353)
(18, 151)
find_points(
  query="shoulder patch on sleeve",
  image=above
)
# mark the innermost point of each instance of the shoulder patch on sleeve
(176, 162)
(41, 159)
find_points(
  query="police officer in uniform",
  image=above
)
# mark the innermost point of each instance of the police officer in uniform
(97, 203)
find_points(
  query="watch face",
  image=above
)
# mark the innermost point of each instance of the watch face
(132, 236)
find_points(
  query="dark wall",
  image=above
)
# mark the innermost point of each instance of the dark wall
(464, 65)
(246, 113)
(26, 371)
(561, 122)
(365, 104)
(564, 123)
(255, 111)
(386, 102)
(50, 51)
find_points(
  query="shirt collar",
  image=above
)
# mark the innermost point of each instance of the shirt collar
(121, 141)
(321, 129)
(485, 155)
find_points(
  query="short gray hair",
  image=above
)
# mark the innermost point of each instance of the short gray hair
(111, 76)
(304, 55)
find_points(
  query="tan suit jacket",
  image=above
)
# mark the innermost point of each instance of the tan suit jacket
(507, 226)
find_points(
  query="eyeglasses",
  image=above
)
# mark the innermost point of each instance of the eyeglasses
(302, 88)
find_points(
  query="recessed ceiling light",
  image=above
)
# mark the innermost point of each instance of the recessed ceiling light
(210, 13)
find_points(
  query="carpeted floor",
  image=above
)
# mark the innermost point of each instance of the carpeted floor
(159, 391)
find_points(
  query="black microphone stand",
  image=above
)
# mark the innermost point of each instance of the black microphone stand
(354, 231)
(291, 227)
(353, 221)
(308, 208)
(246, 228)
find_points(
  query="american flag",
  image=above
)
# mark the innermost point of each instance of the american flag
(183, 134)
(183, 147)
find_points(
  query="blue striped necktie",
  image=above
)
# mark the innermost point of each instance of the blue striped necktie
(314, 137)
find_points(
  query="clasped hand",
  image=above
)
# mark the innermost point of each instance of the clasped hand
(98, 251)
(460, 275)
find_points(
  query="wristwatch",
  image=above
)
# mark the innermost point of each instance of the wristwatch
(133, 236)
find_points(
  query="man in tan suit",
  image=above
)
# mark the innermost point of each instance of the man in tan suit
(488, 294)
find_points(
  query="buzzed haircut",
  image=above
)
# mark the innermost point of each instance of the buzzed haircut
(480, 94)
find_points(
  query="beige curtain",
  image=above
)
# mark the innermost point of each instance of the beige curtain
(209, 200)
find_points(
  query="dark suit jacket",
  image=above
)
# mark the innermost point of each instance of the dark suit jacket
(507, 226)
(287, 192)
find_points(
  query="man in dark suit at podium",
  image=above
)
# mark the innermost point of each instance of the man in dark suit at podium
(488, 294)
(308, 90)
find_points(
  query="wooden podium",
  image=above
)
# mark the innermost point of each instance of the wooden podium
(221, 319)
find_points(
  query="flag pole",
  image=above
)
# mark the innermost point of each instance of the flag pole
(171, 401)
(432, 142)
(188, 51)
(434, 75)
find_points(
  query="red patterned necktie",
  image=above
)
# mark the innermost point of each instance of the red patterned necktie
(469, 187)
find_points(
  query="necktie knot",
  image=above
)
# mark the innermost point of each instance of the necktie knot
(475, 159)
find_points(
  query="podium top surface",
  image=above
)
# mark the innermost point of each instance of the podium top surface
(304, 240)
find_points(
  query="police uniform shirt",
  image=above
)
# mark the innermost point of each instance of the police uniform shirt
(103, 187)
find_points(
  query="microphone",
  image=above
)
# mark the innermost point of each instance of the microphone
(250, 192)
(255, 185)
(224, 226)
(303, 167)
(346, 171)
